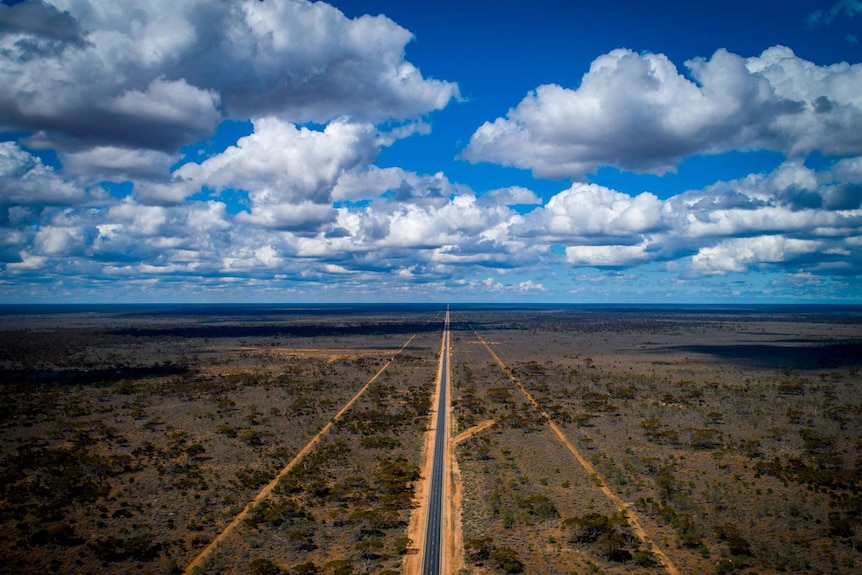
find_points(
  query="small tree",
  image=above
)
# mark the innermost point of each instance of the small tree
(507, 560)
(195, 451)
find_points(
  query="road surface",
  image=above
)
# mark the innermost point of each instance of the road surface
(433, 554)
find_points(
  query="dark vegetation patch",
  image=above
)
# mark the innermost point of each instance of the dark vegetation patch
(278, 330)
(783, 356)
(94, 376)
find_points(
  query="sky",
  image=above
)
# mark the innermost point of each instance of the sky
(431, 151)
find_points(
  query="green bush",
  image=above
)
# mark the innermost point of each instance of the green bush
(402, 545)
(263, 566)
(736, 543)
(251, 437)
(644, 559)
(379, 442)
(275, 512)
(539, 506)
(479, 550)
(307, 568)
(609, 534)
(506, 559)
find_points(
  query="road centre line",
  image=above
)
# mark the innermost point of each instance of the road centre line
(435, 558)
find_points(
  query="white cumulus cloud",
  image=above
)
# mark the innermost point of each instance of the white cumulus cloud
(160, 74)
(589, 210)
(25, 180)
(282, 164)
(638, 112)
(739, 254)
(608, 255)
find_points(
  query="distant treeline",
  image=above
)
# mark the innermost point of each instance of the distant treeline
(107, 375)
(278, 330)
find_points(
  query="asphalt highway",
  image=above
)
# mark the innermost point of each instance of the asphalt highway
(431, 560)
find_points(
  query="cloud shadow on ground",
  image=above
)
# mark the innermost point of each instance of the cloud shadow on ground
(833, 355)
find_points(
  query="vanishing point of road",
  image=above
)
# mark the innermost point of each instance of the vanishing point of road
(433, 554)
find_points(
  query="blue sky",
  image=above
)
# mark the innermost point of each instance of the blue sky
(430, 151)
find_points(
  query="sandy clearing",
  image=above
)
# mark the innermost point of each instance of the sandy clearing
(468, 433)
(267, 489)
(623, 507)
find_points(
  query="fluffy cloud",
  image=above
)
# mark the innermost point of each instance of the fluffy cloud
(171, 111)
(797, 220)
(794, 219)
(608, 256)
(160, 74)
(289, 173)
(117, 164)
(792, 199)
(738, 254)
(369, 182)
(589, 212)
(115, 88)
(637, 112)
(299, 217)
(25, 180)
(511, 196)
(280, 162)
(778, 220)
(421, 239)
(129, 238)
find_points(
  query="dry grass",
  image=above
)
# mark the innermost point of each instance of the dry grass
(735, 438)
(130, 444)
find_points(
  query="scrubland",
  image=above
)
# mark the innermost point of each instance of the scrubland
(131, 442)
(733, 439)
